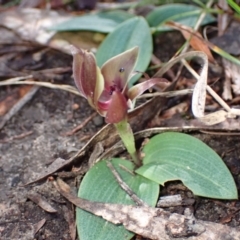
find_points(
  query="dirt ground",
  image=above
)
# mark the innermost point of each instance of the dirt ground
(23, 158)
(44, 121)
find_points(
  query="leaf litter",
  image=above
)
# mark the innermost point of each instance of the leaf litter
(132, 211)
(153, 223)
(38, 199)
(94, 140)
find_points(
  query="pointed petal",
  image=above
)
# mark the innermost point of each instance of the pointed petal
(84, 71)
(117, 109)
(140, 88)
(116, 71)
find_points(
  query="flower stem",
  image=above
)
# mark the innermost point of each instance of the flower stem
(125, 132)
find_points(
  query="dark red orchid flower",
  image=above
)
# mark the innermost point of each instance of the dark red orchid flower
(106, 89)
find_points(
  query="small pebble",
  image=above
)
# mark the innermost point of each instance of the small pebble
(98, 121)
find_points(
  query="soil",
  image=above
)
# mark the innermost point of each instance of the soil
(49, 115)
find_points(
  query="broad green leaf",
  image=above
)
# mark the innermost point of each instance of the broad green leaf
(178, 156)
(100, 22)
(131, 33)
(181, 13)
(100, 185)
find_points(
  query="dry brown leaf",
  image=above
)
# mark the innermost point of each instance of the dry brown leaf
(38, 199)
(179, 108)
(69, 217)
(39, 225)
(195, 39)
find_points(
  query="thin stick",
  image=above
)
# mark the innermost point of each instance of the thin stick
(218, 99)
(83, 124)
(125, 187)
(167, 94)
(22, 135)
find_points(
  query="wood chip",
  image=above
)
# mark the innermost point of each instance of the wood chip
(170, 201)
(38, 199)
(69, 217)
(39, 225)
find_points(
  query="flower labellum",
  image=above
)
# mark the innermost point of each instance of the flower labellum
(106, 89)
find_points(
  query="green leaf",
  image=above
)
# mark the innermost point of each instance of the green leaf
(131, 33)
(234, 5)
(100, 185)
(181, 13)
(100, 22)
(178, 156)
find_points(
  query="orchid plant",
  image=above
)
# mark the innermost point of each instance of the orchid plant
(107, 91)
(167, 156)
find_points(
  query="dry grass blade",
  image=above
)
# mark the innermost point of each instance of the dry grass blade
(18, 81)
(167, 94)
(199, 91)
(199, 95)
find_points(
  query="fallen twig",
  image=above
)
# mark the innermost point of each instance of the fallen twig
(22, 135)
(167, 94)
(82, 125)
(154, 223)
(125, 187)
